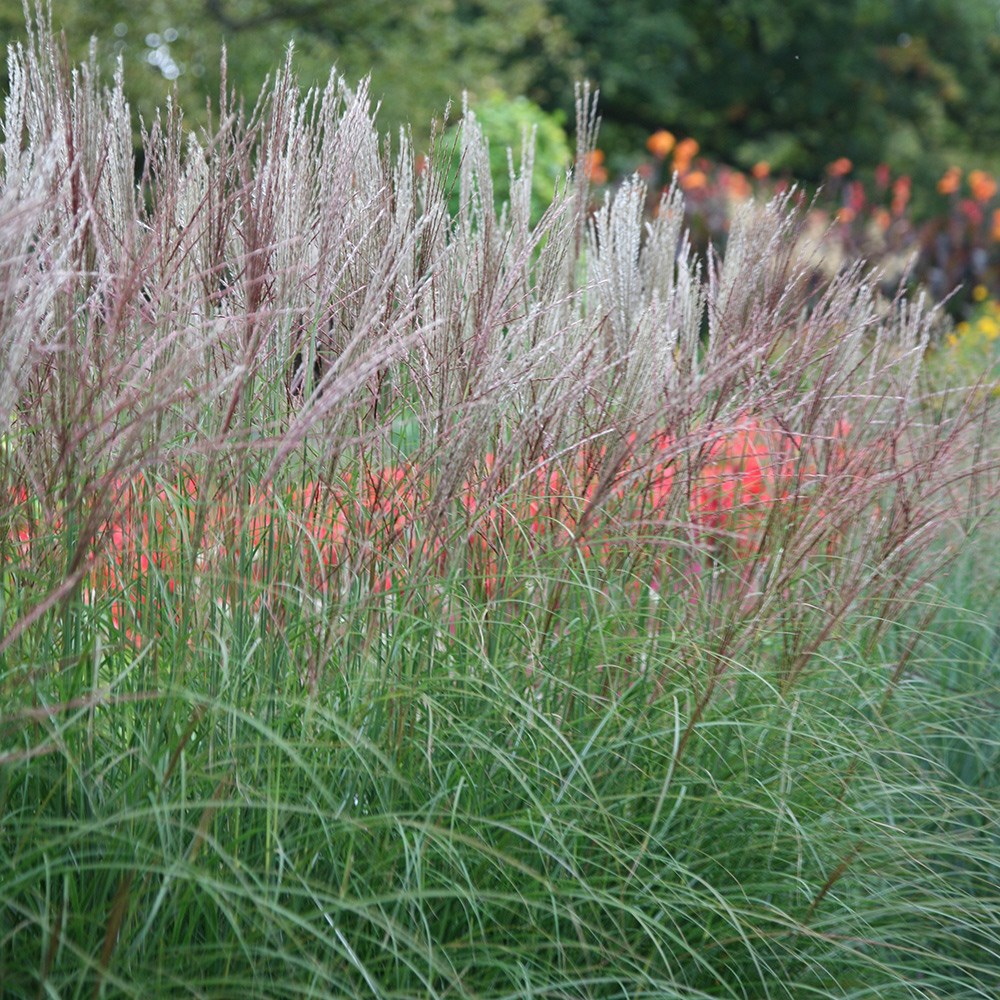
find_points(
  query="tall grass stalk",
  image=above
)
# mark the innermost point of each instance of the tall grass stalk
(403, 603)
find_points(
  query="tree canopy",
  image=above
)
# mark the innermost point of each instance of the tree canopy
(798, 83)
(421, 55)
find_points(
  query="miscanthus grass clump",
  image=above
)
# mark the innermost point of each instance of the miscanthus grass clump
(398, 602)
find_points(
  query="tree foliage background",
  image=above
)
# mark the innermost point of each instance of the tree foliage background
(915, 83)
(797, 82)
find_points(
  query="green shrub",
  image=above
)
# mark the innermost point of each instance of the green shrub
(507, 123)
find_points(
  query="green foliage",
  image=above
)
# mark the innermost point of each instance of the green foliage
(507, 122)
(443, 821)
(795, 83)
(798, 83)
(420, 55)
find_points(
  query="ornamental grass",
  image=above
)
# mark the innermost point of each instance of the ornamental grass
(403, 601)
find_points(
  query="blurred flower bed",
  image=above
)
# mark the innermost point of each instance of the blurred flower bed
(950, 248)
(375, 530)
(972, 349)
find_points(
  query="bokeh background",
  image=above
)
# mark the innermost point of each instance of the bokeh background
(795, 83)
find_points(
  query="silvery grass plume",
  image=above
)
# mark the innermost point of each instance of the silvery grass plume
(285, 298)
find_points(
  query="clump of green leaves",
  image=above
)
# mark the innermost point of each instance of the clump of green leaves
(516, 128)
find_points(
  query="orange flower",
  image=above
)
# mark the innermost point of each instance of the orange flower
(881, 218)
(752, 464)
(950, 181)
(685, 152)
(846, 214)
(840, 167)
(995, 227)
(660, 143)
(900, 194)
(761, 169)
(694, 181)
(593, 167)
(738, 185)
(982, 185)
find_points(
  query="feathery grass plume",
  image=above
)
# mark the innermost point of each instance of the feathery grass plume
(395, 603)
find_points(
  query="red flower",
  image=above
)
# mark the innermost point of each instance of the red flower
(971, 211)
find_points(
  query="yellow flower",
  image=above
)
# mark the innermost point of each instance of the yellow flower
(989, 327)
(979, 293)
